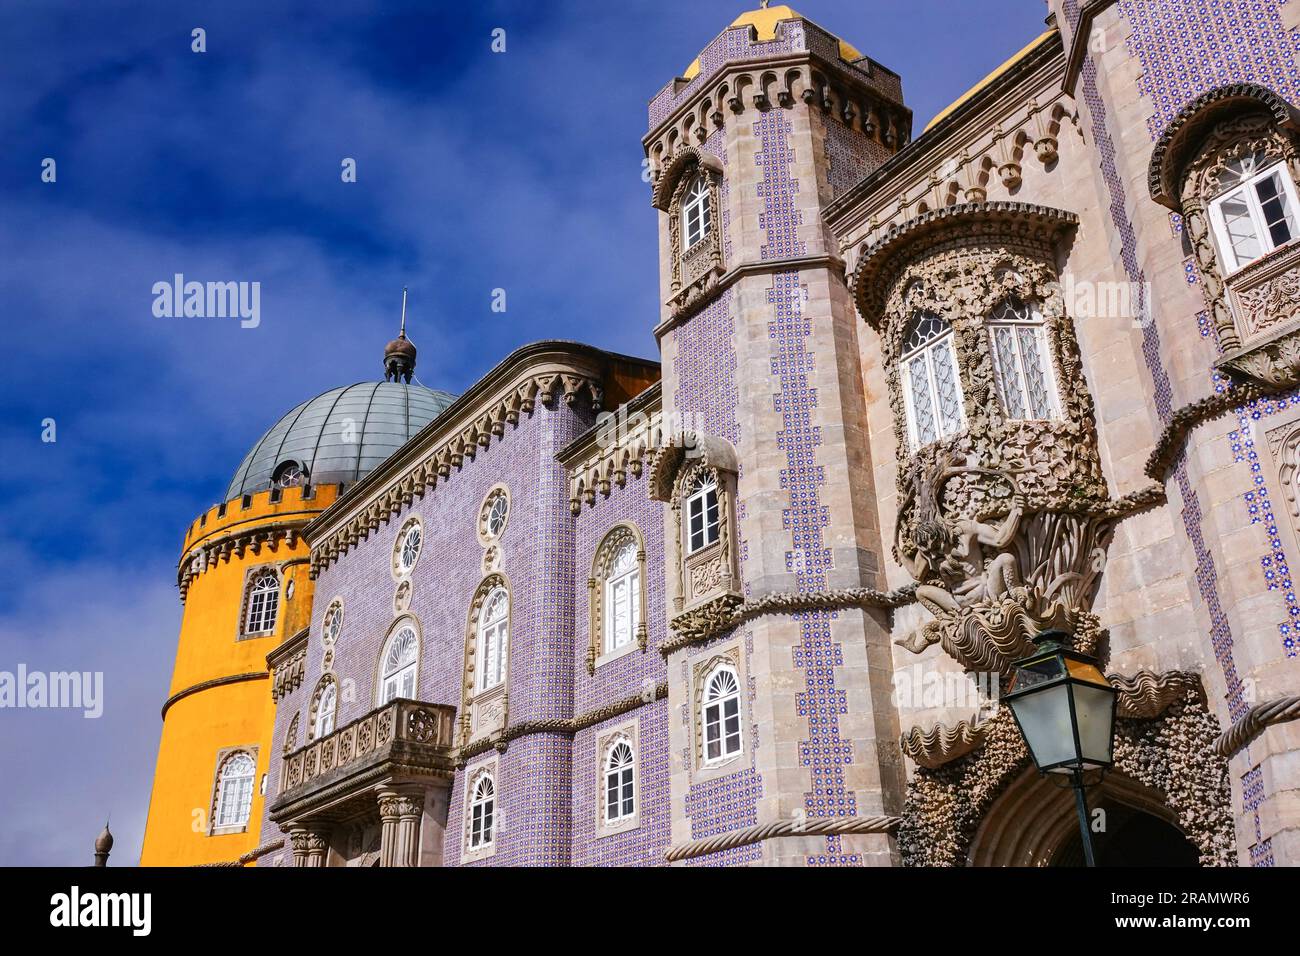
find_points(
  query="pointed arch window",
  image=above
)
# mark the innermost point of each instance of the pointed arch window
(620, 782)
(399, 665)
(1256, 212)
(234, 790)
(493, 639)
(931, 387)
(1022, 362)
(696, 213)
(482, 812)
(722, 737)
(263, 603)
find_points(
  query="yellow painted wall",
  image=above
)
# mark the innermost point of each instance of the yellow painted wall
(200, 725)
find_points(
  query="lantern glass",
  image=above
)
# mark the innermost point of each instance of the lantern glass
(1094, 712)
(1044, 719)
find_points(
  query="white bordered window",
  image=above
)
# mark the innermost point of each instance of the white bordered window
(622, 597)
(696, 213)
(1257, 212)
(702, 513)
(496, 509)
(235, 790)
(931, 387)
(493, 639)
(482, 812)
(326, 706)
(333, 623)
(263, 603)
(406, 550)
(399, 664)
(620, 783)
(1021, 361)
(721, 715)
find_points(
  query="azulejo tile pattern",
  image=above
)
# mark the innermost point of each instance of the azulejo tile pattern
(706, 393)
(779, 190)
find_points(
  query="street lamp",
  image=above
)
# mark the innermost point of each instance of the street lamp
(1065, 709)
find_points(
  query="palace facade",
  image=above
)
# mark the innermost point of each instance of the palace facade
(919, 398)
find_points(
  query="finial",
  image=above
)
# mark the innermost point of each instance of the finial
(399, 355)
(103, 846)
(762, 4)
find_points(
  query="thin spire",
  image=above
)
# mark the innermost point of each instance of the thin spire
(399, 356)
(402, 333)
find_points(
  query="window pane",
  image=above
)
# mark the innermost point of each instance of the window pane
(1277, 214)
(945, 381)
(1033, 353)
(922, 406)
(1240, 227)
(1009, 378)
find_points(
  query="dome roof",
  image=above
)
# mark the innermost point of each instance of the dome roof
(338, 436)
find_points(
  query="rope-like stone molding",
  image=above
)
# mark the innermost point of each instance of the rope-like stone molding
(214, 682)
(694, 627)
(249, 857)
(557, 725)
(828, 826)
(1183, 421)
(1256, 720)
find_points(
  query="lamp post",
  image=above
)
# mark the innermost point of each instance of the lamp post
(1065, 709)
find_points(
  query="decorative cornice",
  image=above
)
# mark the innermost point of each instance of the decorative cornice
(557, 725)
(1180, 140)
(209, 684)
(1255, 721)
(825, 826)
(974, 222)
(1148, 694)
(288, 665)
(935, 747)
(223, 547)
(682, 161)
(618, 446)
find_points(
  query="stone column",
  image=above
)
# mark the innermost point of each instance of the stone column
(400, 812)
(317, 848)
(298, 841)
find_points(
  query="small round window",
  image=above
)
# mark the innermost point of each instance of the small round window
(495, 513)
(289, 474)
(407, 549)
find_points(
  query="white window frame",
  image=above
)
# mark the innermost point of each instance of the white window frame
(947, 341)
(263, 601)
(481, 806)
(696, 202)
(631, 582)
(401, 672)
(234, 789)
(1038, 328)
(323, 724)
(1247, 187)
(708, 703)
(624, 782)
(493, 633)
(702, 487)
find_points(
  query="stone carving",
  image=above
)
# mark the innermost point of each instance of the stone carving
(937, 746)
(1255, 721)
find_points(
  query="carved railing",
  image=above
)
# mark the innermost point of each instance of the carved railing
(1265, 295)
(410, 725)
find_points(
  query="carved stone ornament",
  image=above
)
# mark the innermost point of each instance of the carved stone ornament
(695, 271)
(1004, 523)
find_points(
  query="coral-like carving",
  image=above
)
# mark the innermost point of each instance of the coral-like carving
(1148, 694)
(940, 744)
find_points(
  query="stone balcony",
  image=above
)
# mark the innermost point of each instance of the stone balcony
(1264, 300)
(399, 750)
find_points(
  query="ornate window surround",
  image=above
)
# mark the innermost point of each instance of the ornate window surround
(485, 510)
(398, 569)
(326, 681)
(1255, 310)
(694, 271)
(485, 712)
(401, 622)
(701, 671)
(628, 733)
(224, 756)
(490, 769)
(610, 545)
(250, 578)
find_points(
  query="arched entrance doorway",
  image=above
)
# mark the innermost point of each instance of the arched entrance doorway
(1035, 823)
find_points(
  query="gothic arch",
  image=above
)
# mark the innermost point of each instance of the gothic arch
(683, 162)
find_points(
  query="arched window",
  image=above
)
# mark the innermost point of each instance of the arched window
(1021, 361)
(931, 388)
(721, 714)
(702, 514)
(398, 665)
(1256, 211)
(235, 790)
(263, 603)
(326, 705)
(695, 213)
(622, 597)
(493, 639)
(482, 810)
(620, 783)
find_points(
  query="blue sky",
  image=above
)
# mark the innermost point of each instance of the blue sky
(476, 171)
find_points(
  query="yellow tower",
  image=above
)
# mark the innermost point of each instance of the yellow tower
(244, 580)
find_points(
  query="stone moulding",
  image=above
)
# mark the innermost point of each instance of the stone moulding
(557, 725)
(613, 450)
(686, 158)
(287, 665)
(222, 548)
(935, 747)
(1253, 724)
(1185, 132)
(214, 682)
(880, 263)
(824, 826)
(249, 857)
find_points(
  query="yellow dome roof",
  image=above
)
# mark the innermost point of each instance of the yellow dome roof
(764, 22)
